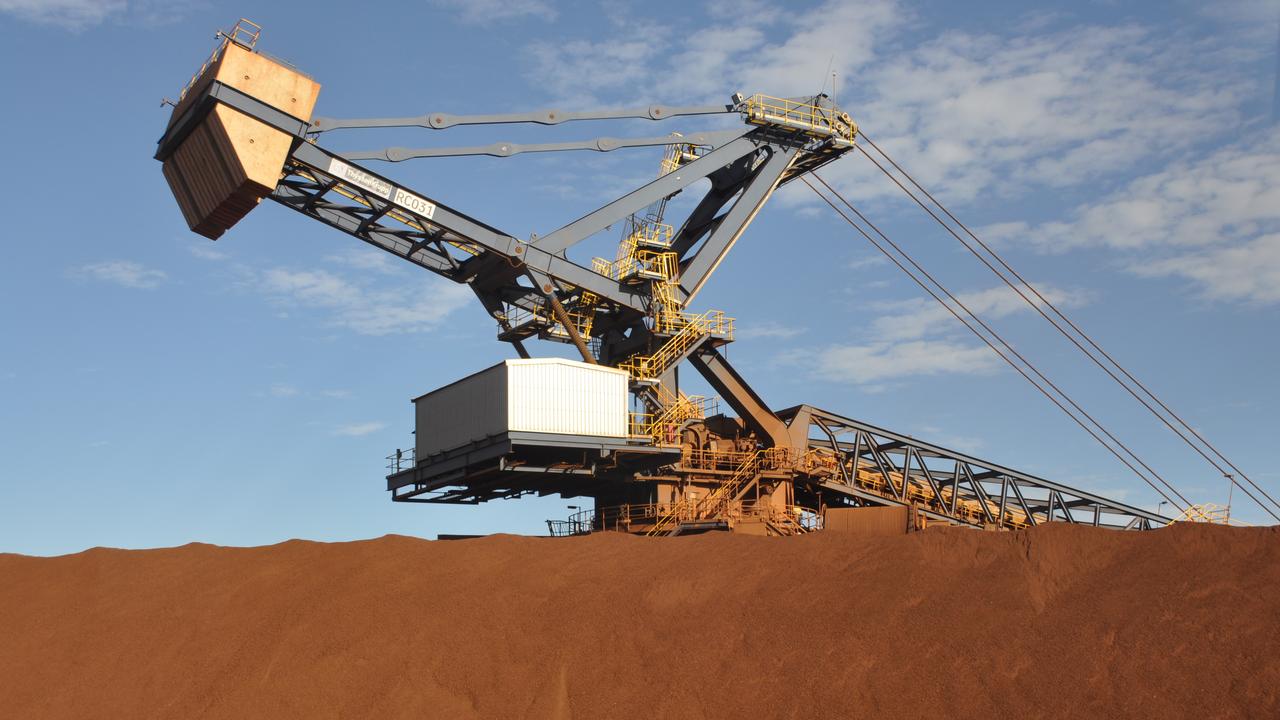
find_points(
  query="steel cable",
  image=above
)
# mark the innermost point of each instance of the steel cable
(941, 288)
(1063, 331)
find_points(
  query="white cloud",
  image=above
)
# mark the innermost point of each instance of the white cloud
(919, 318)
(1253, 20)
(1214, 220)
(204, 252)
(287, 390)
(1229, 196)
(69, 14)
(412, 307)
(971, 114)
(839, 35)
(918, 337)
(711, 62)
(367, 258)
(1247, 272)
(485, 12)
(575, 71)
(867, 261)
(124, 273)
(769, 330)
(77, 15)
(282, 390)
(963, 443)
(359, 429)
(881, 361)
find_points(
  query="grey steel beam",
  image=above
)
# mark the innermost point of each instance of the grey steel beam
(695, 271)
(440, 121)
(216, 92)
(428, 212)
(349, 222)
(559, 240)
(729, 384)
(835, 446)
(1022, 502)
(1004, 498)
(979, 492)
(928, 475)
(508, 149)
(726, 182)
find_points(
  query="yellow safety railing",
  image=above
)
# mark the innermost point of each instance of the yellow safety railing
(713, 460)
(582, 316)
(684, 509)
(1209, 513)
(660, 428)
(767, 110)
(693, 329)
(637, 256)
(716, 504)
(700, 405)
(794, 518)
(652, 234)
(664, 427)
(677, 155)
(664, 296)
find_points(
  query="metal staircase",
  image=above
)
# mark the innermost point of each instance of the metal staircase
(715, 504)
(696, 329)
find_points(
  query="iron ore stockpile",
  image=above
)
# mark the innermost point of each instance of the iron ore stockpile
(1056, 621)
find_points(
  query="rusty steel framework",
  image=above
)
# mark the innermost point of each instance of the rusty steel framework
(686, 467)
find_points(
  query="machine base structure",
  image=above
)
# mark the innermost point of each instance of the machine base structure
(614, 427)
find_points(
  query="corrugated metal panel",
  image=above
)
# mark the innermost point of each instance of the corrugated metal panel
(867, 520)
(552, 395)
(548, 395)
(462, 412)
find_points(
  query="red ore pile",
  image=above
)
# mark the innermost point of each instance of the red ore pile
(1059, 622)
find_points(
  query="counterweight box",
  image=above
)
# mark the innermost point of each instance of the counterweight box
(229, 162)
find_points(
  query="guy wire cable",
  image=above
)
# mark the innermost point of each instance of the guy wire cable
(1063, 331)
(1010, 348)
(998, 352)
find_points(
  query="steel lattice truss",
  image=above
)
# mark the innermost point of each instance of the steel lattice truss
(944, 484)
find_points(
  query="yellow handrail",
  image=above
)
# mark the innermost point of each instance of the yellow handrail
(768, 110)
(716, 504)
(1208, 513)
(692, 328)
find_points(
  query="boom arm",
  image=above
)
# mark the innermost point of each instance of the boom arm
(441, 121)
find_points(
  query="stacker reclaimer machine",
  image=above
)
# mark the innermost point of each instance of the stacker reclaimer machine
(614, 427)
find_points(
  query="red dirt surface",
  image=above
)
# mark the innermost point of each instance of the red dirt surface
(1059, 621)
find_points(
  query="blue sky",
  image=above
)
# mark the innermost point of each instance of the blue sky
(157, 388)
